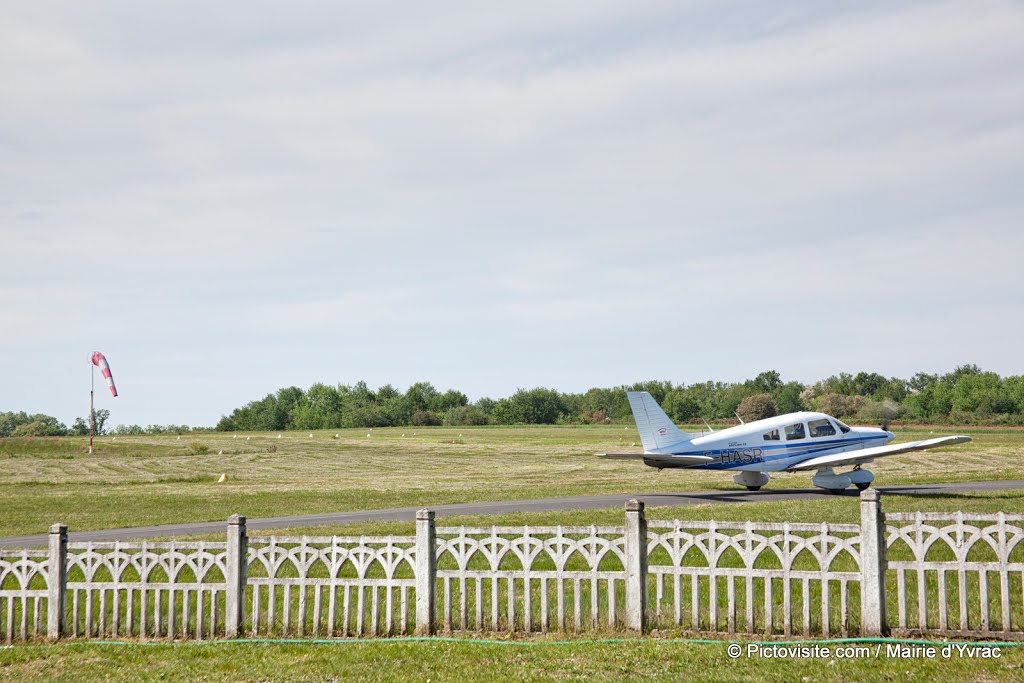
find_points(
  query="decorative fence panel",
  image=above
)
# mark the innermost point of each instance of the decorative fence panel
(331, 585)
(956, 573)
(171, 590)
(755, 577)
(937, 573)
(24, 589)
(530, 578)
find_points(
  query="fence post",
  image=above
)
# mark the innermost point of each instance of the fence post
(874, 620)
(636, 566)
(237, 569)
(57, 581)
(426, 573)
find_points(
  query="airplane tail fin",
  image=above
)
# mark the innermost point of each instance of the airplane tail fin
(657, 431)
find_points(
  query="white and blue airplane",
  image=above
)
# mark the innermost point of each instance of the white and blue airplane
(787, 443)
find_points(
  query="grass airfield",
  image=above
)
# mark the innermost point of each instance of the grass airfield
(133, 481)
(150, 480)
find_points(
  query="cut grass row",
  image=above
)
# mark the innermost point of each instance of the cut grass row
(435, 661)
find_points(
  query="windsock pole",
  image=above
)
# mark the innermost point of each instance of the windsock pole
(92, 388)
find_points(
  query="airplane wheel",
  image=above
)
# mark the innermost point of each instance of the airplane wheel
(862, 487)
(753, 488)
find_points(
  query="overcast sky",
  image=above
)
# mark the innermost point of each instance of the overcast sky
(226, 198)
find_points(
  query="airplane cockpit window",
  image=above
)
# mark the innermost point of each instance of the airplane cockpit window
(772, 435)
(821, 427)
(843, 428)
(794, 432)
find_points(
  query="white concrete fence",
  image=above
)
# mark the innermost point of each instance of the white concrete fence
(948, 573)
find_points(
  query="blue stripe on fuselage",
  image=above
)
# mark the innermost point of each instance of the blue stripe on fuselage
(784, 452)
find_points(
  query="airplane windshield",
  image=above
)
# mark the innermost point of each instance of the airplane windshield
(821, 427)
(843, 428)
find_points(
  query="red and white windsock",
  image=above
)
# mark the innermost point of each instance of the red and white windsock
(99, 360)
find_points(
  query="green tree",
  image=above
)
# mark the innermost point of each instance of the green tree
(387, 392)
(11, 421)
(100, 418)
(530, 406)
(682, 406)
(128, 430)
(442, 403)
(485, 405)
(320, 408)
(80, 427)
(766, 383)
(921, 380)
(264, 415)
(868, 383)
(656, 388)
(843, 383)
(788, 397)
(981, 394)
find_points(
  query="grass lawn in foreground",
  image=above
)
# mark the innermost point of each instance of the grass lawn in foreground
(395, 660)
(138, 481)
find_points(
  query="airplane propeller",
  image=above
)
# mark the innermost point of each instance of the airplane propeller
(887, 415)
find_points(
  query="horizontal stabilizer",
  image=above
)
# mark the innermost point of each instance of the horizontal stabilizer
(655, 457)
(868, 454)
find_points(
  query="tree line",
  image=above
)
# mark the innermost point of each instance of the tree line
(20, 424)
(23, 424)
(967, 395)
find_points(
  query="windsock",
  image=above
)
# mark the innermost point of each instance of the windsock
(99, 360)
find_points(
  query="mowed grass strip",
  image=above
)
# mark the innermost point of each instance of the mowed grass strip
(438, 661)
(138, 481)
(831, 509)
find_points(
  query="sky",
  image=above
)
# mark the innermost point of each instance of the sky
(228, 198)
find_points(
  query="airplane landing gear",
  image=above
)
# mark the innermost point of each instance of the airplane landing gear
(861, 478)
(830, 481)
(752, 480)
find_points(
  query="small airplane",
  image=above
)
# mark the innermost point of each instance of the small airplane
(787, 443)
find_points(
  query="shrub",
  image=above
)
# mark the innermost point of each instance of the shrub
(37, 428)
(197, 448)
(426, 418)
(756, 407)
(23, 424)
(841, 405)
(594, 417)
(465, 416)
(880, 411)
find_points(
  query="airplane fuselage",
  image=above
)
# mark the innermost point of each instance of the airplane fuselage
(773, 444)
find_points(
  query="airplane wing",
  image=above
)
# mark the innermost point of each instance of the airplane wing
(658, 457)
(868, 454)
